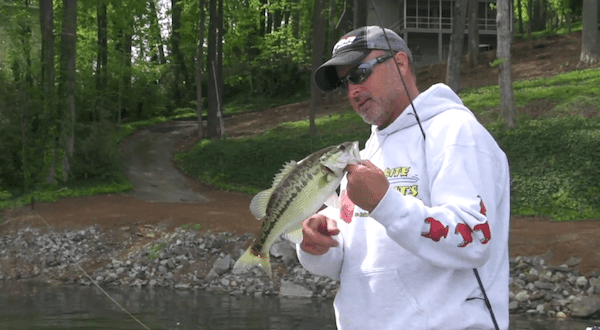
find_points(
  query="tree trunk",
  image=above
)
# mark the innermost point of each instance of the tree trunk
(456, 46)
(156, 36)
(520, 15)
(212, 120)
(181, 76)
(317, 58)
(67, 63)
(219, 70)
(102, 59)
(200, 67)
(331, 35)
(507, 104)
(530, 14)
(590, 45)
(473, 32)
(48, 76)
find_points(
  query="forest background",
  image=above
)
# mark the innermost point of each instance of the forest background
(76, 77)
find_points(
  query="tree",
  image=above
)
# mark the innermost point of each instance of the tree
(456, 46)
(155, 37)
(200, 66)
(590, 44)
(102, 58)
(473, 32)
(68, 46)
(318, 41)
(507, 103)
(214, 94)
(48, 76)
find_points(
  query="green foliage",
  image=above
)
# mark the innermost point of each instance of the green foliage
(561, 90)
(249, 164)
(554, 160)
(76, 189)
(154, 250)
(497, 62)
(195, 226)
(554, 165)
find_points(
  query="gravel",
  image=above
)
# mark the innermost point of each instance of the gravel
(188, 259)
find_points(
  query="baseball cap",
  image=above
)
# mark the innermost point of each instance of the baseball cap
(352, 48)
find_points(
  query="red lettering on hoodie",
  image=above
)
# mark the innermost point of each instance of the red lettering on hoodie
(437, 230)
(465, 231)
(347, 209)
(483, 209)
(485, 230)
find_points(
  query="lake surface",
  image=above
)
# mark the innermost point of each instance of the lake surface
(36, 306)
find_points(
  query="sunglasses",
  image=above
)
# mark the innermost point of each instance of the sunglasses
(360, 73)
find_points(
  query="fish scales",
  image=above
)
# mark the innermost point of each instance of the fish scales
(297, 193)
(287, 191)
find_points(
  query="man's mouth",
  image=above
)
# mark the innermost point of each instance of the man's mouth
(360, 104)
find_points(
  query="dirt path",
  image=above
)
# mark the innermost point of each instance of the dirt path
(164, 196)
(147, 162)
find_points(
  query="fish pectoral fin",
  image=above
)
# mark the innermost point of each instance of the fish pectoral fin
(294, 234)
(258, 205)
(334, 201)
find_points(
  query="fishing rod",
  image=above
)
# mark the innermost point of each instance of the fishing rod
(485, 297)
(398, 68)
(88, 275)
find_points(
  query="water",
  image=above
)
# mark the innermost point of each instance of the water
(35, 306)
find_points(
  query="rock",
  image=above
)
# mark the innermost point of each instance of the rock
(211, 275)
(561, 315)
(585, 306)
(222, 265)
(286, 250)
(513, 305)
(544, 285)
(581, 281)
(572, 262)
(289, 289)
(522, 296)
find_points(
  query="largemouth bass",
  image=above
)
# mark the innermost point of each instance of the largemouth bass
(298, 192)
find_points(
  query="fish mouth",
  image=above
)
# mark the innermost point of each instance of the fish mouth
(327, 170)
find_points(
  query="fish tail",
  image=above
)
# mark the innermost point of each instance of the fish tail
(249, 260)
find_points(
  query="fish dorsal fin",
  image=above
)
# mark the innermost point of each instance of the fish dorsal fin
(287, 168)
(258, 205)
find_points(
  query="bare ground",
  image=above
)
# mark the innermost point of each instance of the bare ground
(165, 197)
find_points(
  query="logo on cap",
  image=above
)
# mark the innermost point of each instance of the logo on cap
(343, 42)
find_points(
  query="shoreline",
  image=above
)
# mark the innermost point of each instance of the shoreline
(190, 259)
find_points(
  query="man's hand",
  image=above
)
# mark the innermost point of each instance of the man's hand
(316, 234)
(367, 184)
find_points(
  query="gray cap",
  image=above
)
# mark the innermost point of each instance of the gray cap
(352, 48)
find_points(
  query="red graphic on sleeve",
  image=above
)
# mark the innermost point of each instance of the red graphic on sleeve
(485, 230)
(437, 230)
(483, 209)
(347, 209)
(467, 234)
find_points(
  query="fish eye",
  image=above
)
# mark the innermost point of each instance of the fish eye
(342, 147)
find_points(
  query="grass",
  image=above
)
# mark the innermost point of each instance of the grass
(554, 159)
(248, 164)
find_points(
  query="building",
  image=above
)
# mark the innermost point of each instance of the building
(426, 25)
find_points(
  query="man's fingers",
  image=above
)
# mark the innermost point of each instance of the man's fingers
(316, 235)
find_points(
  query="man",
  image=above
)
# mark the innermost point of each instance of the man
(425, 214)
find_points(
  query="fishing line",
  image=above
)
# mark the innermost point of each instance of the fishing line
(88, 275)
(485, 297)
(398, 68)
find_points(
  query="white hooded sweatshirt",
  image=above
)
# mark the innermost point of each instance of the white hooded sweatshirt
(409, 263)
